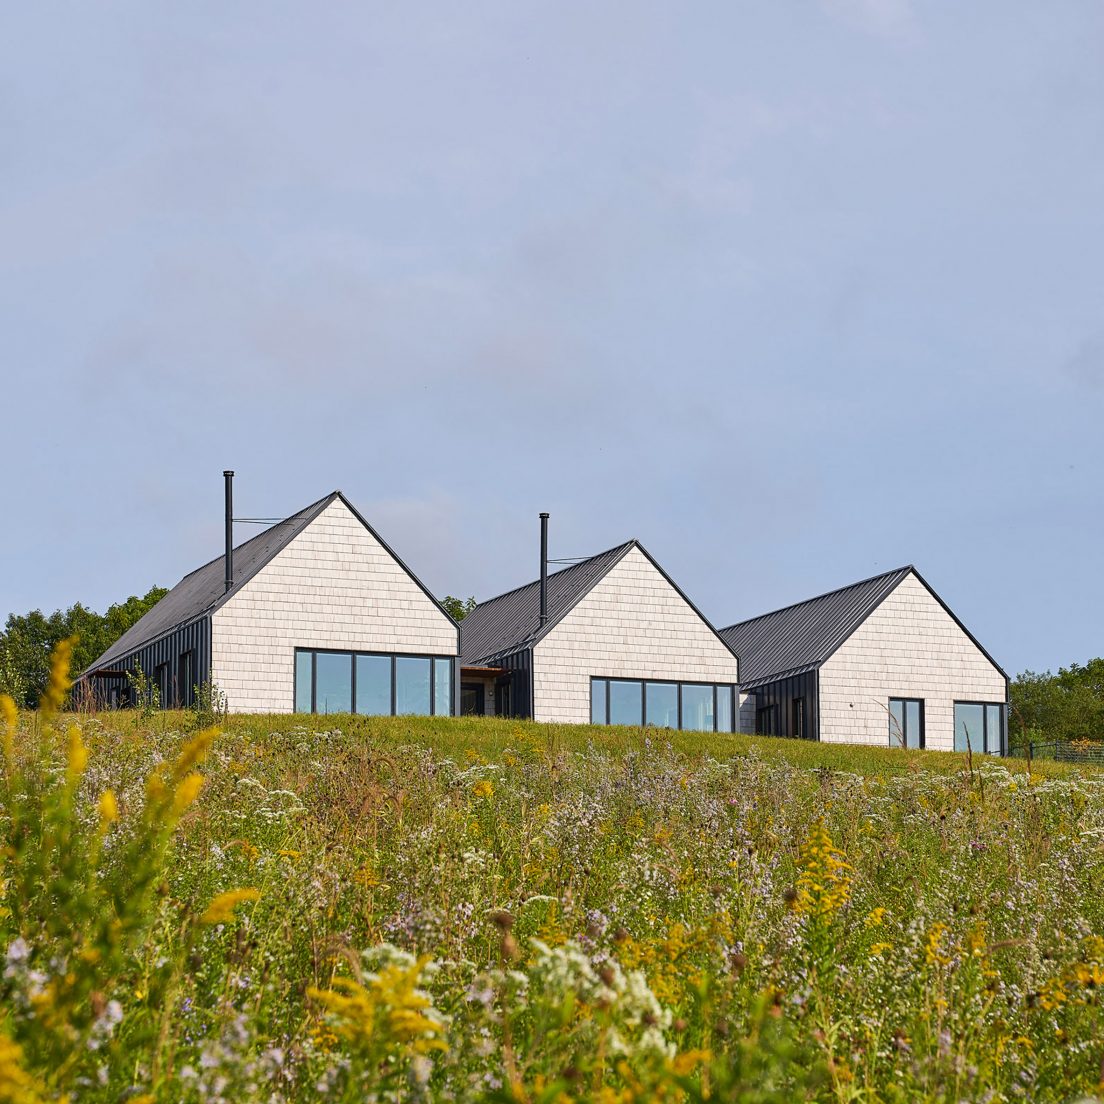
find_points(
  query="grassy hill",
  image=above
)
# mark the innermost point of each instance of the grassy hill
(350, 908)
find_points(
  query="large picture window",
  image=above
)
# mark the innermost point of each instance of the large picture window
(906, 722)
(372, 683)
(979, 726)
(690, 706)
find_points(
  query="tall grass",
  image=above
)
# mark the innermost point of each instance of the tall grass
(351, 908)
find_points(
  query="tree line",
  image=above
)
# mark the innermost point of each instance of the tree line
(29, 638)
(1065, 706)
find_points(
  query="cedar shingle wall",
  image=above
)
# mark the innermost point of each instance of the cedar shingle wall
(909, 647)
(633, 624)
(333, 586)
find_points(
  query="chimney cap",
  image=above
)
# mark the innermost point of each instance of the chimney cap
(227, 473)
(544, 513)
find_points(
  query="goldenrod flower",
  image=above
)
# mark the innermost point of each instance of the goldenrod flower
(108, 807)
(16, 1084)
(934, 951)
(58, 685)
(388, 1007)
(78, 754)
(9, 714)
(482, 788)
(186, 793)
(193, 752)
(824, 885)
(221, 909)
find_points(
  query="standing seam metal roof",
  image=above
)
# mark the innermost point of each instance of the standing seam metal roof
(200, 591)
(801, 637)
(511, 621)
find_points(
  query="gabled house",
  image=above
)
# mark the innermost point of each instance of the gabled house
(315, 614)
(883, 661)
(609, 640)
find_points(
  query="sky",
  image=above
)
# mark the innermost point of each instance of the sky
(792, 292)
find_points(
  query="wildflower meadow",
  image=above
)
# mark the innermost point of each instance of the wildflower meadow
(372, 909)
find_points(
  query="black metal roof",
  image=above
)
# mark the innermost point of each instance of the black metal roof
(511, 621)
(204, 590)
(801, 637)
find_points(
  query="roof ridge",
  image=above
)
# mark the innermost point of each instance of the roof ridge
(817, 597)
(561, 571)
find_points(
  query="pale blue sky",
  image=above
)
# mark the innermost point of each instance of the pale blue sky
(792, 292)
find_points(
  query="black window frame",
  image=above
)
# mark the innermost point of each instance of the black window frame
(433, 657)
(185, 679)
(798, 711)
(718, 687)
(904, 730)
(765, 713)
(1002, 706)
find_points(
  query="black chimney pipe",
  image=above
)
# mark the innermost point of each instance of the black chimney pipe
(229, 477)
(544, 570)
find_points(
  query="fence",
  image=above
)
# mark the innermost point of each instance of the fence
(1065, 751)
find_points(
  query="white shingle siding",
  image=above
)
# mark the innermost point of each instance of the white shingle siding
(333, 586)
(909, 647)
(632, 624)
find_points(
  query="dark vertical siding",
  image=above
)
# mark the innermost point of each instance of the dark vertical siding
(194, 637)
(521, 682)
(781, 694)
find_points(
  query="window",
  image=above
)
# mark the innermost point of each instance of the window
(473, 696)
(764, 720)
(304, 681)
(626, 700)
(442, 687)
(598, 700)
(906, 722)
(185, 680)
(697, 708)
(797, 717)
(661, 704)
(412, 685)
(690, 706)
(161, 681)
(979, 726)
(372, 684)
(333, 682)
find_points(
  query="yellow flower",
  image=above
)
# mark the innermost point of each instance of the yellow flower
(824, 884)
(875, 918)
(109, 808)
(58, 684)
(10, 716)
(78, 754)
(289, 853)
(17, 1086)
(689, 1060)
(187, 792)
(193, 752)
(934, 951)
(387, 1008)
(482, 788)
(221, 909)
(878, 949)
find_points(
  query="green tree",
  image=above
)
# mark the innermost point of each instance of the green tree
(1065, 706)
(28, 639)
(458, 608)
